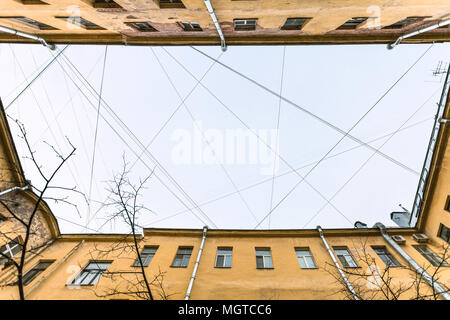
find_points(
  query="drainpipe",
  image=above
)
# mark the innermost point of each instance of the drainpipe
(411, 34)
(434, 284)
(211, 12)
(349, 286)
(64, 259)
(14, 189)
(191, 282)
(29, 36)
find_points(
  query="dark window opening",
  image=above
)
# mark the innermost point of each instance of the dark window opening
(32, 23)
(164, 4)
(444, 233)
(147, 255)
(141, 26)
(294, 23)
(386, 257)
(190, 26)
(35, 271)
(81, 22)
(91, 273)
(105, 4)
(182, 257)
(403, 23)
(244, 24)
(353, 23)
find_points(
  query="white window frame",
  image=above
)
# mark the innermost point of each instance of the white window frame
(9, 249)
(346, 256)
(303, 258)
(387, 257)
(146, 257)
(264, 257)
(431, 256)
(94, 274)
(224, 255)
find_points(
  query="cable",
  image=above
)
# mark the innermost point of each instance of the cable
(327, 123)
(36, 77)
(252, 131)
(368, 159)
(118, 120)
(95, 134)
(223, 196)
(176, 110)
(343, 137)
(183, 102)
(278, 127)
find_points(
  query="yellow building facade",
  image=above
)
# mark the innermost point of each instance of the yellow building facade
(360, 263)
(200, 22)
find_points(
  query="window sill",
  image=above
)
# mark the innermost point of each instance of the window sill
(222, 267)
(178, 266)
(264, 268)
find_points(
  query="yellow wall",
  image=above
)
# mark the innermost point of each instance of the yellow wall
(327, 15)
(243, 281)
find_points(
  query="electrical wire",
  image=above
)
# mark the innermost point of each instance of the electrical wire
(327, 123)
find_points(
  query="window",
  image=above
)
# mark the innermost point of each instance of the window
(402, 23)
(263, 258)
(352, 23)
(182, 257)
(305, 258)
(444, 233)
(223, 257)
(163, 4)
(386, 256)
(294, 23)
(81, 22)
(434, 259)
(33, 2)
(345, 257)
(190, 26)
(105, 4)
(10, 250)
(91, 273)
(244, 24)
(36, 270)
(147, 255)
(447, 203)
(32, 23)
(141, 26)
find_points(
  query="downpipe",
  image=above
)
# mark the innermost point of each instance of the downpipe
(29, 36)
(211, 12)
(414, 33)
(14, 189)
(433, 283)
(194, 272)
(349, 285)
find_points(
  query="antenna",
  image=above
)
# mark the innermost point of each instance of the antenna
(440, 70)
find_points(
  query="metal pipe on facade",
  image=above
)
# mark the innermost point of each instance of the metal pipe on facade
(349, 285)
(411, 34)
(14, 189)
(432, 282)
(211, 12)
(194, 272)
(29, 36)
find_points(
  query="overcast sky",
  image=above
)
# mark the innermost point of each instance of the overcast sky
(232, 184)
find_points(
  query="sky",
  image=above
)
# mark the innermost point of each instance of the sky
(222, 151)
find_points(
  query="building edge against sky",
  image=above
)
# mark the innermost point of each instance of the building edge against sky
(223, 22)
(238, 264)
